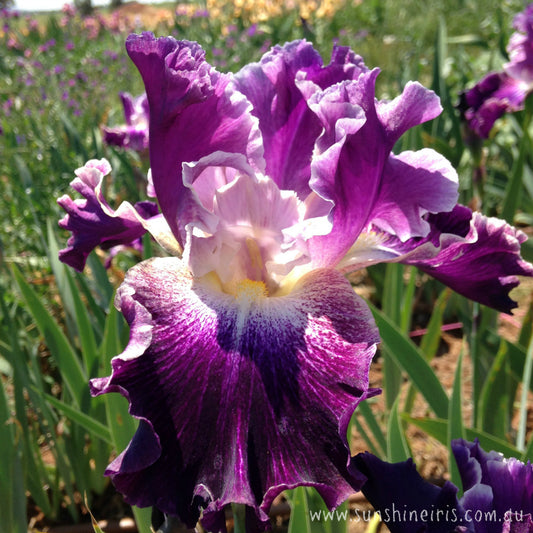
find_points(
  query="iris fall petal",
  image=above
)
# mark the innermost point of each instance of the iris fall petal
(239, 397)
(94, 223)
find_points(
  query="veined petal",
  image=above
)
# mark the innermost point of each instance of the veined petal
(484, 265)
(193, 113)
(94, 223)
(239, 397)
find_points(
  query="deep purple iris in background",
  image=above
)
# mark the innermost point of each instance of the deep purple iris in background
(249, 349)
(498, 494)
(506, 91)
(134, 134)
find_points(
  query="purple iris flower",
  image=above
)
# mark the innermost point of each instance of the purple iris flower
(249, 349)
(506, 91)
(492, 97)
(520, 48)
(134, 134)
(94, 223)
(498, 494)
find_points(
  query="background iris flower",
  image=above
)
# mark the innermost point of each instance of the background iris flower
(498, 494)
(249, 349)
(505, 91)
(134, 134)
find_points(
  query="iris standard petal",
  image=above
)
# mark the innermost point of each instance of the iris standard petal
(276, 88)
(239, 397)
(415, 105)
(193, 113)
(288, 127)
(93, 222)
(406, 502)
(414, 184)
(353, 167)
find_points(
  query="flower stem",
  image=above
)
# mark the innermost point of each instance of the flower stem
(239, 517)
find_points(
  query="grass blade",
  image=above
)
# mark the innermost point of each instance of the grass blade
(413, 362)
(392, 305)
(523, 409)
(397, 448)
(365, 411)
(438, 429)
(455, 420)
(12, 490)
(495, 399)
(94, 427)
(87, 339)
(512, 192)
(71, 370)
(300, 521)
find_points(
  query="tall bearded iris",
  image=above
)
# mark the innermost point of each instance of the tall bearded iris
(506, 91)
(134, 134)
(249, 350)
(498, 494)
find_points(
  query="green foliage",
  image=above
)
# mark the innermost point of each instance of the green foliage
(59, 82)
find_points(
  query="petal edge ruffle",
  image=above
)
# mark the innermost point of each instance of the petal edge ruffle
(253, 398)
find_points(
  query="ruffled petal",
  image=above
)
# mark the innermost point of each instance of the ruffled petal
(477, 256)
(354, 170)
(275, 87)
(415, 105)
(239, 397)
(494, 483)
(405, 501)
(289, 129)
(94, 223)
(414, 184)
(193, 113)
(242, 225)
(484, 265)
